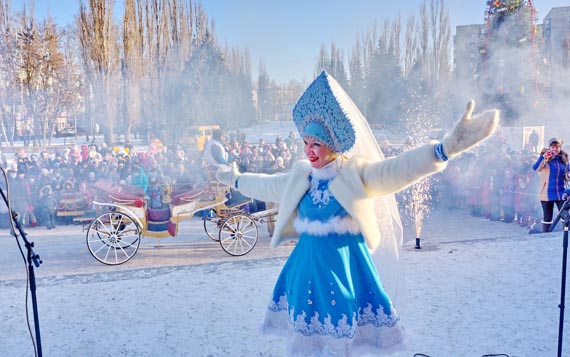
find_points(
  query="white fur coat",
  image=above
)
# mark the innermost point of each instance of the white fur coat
(356, 184)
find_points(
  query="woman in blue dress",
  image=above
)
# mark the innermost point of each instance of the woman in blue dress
(335, 294)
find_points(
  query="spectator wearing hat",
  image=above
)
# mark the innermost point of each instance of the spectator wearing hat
(60, 161)
(66, 154)
(103, 170)
(84, 153)
(45, 178)
(44, 160)
(215, 153)
(552, 166)
(154, 192)
(138, 178)
(22, 159)
(47, 206)
(113, 172)
(12, 173)
(57, 181)
(33, 165)
(34, 197)
(123, 169)
(20, 198)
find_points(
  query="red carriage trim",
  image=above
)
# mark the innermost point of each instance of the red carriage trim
(186, 197)
(123, 199)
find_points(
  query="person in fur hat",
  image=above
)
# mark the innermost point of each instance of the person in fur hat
(48, 206)
(337, 293)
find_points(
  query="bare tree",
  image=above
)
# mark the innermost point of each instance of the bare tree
(396, 33)
(333, 63)
(58, 82)
(370, 41)
(132, 66)
(173, 70)
(440, 39)
(264, 88)
(323, 60)
(70, 82)
(30, 46)
(48, 79)
(8, 72)
(424, 57)
(100, 57)
(434, 41)
(410, 57)
(173, 29)
(356, 72)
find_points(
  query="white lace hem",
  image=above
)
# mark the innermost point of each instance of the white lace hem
(376, 333)
(369, 339)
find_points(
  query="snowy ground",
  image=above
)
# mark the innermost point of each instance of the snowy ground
(477, 287)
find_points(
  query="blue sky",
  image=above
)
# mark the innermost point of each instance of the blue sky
(287, 34)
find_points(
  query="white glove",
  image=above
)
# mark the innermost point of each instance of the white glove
(469, 131)
(229, 177)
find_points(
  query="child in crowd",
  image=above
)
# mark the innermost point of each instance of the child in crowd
(47, 206)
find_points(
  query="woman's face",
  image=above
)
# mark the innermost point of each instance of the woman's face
(555, 148)
(318, 153)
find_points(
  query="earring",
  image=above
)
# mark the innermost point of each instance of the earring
(339, 162)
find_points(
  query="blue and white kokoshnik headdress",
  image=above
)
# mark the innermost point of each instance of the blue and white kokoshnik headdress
(324, 112)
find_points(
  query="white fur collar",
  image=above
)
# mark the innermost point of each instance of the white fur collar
(326, 172)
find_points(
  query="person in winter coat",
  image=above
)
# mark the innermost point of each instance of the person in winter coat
(215, 153)
(48, 206)
(335, 294)
(507, 192)
(552, 166)
(154, 192)
(138, 178)
(524, 206)
(20, 198)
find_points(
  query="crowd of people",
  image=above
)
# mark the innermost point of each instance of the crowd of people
(497, 183)
(492, 181)
(47, 187)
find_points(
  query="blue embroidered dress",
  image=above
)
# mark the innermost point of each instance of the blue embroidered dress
(329, 294)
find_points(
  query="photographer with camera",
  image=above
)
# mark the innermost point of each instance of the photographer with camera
(552, 166)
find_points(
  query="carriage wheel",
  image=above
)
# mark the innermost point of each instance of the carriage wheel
(212, 224)
(113, 238)
(238, 235)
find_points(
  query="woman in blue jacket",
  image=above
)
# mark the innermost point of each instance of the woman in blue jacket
(552, 166)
